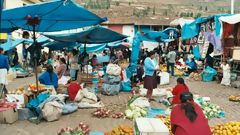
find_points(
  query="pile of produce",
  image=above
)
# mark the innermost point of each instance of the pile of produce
(102, 113)
(166, 121)
(82, 129)
(33, 87)
(106, 113)
(212, 111)
(18, 91)
(121, 130)
(118, 115)
(234, 98)
(231, 128)
(135, 112)
(177, 72)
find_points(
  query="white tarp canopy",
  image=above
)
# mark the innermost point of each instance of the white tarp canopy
(181, 21)
(231, 19)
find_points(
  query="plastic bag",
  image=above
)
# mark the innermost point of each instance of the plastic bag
(111, 90)
(126, 86)
(52, 111)
(69, 108)
(113, 69)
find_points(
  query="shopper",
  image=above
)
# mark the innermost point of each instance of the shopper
(192, 66)
(171, 60)
(226, 80)
(187, 118)
(4, 66)
(178, 90)
(74, 67)
(150, 79)
(49, 77)
(62, 69)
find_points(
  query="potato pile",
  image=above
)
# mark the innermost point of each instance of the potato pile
(166, 121)
(230, 128)
(101, 113)
(121, 130)
(82, 129)
(106, 113)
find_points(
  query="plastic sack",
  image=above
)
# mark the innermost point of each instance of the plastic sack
(141, 102)
(111, 79)
(208, 74)
(83, 105)
(126, 86)
(110, 90)
(69, 108)
(52, 111)
(164, 78)
(113, 69)
(88, 69)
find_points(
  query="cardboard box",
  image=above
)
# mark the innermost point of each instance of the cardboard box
(150, 126)
(8, 115)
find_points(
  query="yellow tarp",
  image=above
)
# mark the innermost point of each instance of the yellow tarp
(3, 36)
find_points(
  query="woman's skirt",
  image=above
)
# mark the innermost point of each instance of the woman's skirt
(150, 82)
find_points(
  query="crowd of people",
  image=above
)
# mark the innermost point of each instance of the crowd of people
(186, 117)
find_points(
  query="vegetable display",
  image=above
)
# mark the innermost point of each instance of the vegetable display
(234, 98)
(135, 112)
(212, 111)
(121, 130)
(166, 121)
(82, 129)
(101, 113)
(230, 128)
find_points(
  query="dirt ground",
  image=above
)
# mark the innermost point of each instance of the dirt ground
(218, 94)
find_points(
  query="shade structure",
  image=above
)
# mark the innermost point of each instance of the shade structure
(40, 40)
(51, 16)
(94, 35)
(167, 35)
(181, 21)
(56, 45)
(10, 44)
(55, 15)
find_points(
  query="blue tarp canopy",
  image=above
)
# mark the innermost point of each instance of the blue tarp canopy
(90, 48)
(162, 36)
(40, 40)
(56, 45)
(94, 35)
(10, 44)
(55, 15)
(190, 30)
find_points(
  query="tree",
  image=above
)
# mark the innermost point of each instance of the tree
(154, 12)
(165, 13)
(191, 15)
(182, 14)
(117, 3)
(200, 8)
(129, 3)
(198, 15)
(206, 8)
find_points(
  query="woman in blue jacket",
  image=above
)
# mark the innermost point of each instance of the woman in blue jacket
(49, 77)
(150, 79)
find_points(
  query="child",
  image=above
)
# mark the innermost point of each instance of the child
(226, 74)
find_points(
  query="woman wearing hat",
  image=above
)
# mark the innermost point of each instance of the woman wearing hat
(187, 118)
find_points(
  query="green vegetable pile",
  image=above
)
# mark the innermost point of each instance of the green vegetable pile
(134, 112)
(211, 110)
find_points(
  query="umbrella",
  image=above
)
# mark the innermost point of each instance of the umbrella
(51, 16)
(94, 35)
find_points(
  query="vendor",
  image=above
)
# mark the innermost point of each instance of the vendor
(178, 90)
(226, 80)
(61, 70)
(49, 77)
(187, 118)
(73, 62)
(94, 61)
(150, 80)
(192, 66)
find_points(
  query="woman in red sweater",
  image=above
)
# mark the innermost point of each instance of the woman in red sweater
(187, 118)
(178, 90)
